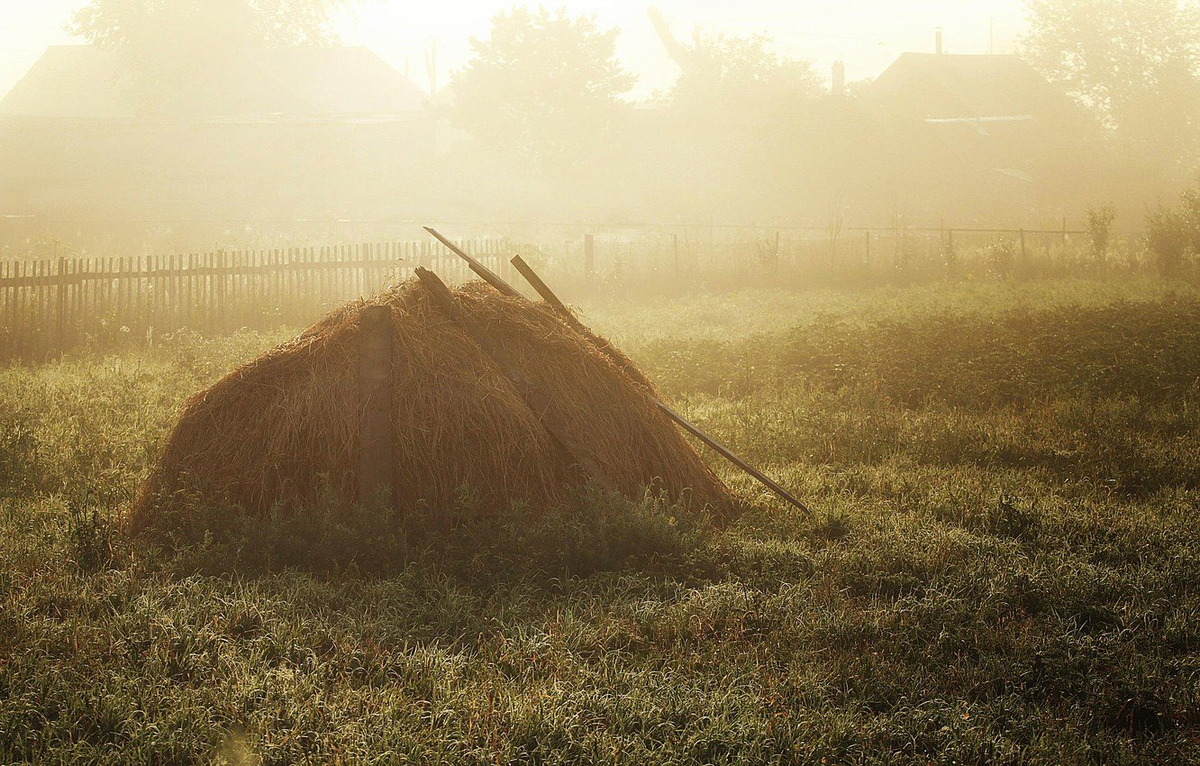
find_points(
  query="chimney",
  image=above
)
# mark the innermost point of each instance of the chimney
(839, 79)
(937, 36)
(431, 66)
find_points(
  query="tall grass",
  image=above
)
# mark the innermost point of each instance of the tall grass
(1002, 568)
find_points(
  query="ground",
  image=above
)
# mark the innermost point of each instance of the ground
(1002, 566)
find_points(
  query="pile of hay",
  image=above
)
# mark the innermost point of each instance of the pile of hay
(282, 431)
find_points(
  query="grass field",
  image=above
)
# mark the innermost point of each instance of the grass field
(1004, 566)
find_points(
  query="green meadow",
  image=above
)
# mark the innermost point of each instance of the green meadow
(1003, 565)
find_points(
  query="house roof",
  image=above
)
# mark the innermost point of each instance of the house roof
(92, 83)
(948, 87)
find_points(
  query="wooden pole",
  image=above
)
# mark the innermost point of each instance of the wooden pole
(542, 289)
(364, 270)
(60, 303)
(605, 347)
(483, 271)
(219, 285)
(589, 256)
(376, 457)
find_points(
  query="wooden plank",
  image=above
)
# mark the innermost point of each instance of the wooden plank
(60, 303)
(155, 295)
(43, 299)
(189, 291)
(94, 280)
(119, 302)
(18, 315)
(168, 293)
(6, 330)
(364, 274)
(221, 319)
(274, 282)
(73, 300)
(483, 271)
(131, 291)
(531, 276)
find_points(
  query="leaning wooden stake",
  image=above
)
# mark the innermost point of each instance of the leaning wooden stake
(486, 274)
(605, 347)
(533, 395)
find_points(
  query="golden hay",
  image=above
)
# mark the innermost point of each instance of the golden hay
(283, 429)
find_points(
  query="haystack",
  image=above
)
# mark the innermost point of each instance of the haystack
(530, 411)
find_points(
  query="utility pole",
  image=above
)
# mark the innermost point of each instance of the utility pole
(431, 66)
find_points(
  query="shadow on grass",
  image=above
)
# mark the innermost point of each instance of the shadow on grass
(594, 531)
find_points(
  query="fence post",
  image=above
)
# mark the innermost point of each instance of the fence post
(368, 253)
(60, 301)
(219, 284)
(589, 256)
(375, 443)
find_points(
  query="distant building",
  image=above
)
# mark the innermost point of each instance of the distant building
(295, 131)
(979, 135)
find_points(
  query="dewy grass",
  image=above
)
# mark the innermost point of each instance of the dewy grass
(1011, 580)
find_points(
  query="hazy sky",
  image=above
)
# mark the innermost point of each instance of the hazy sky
(866, 34)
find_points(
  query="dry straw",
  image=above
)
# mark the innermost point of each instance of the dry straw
(282, 431)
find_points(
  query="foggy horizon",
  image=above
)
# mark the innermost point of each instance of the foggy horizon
(857, 33)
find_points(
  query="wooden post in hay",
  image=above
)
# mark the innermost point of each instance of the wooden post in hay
(375, 444)
(530, 392)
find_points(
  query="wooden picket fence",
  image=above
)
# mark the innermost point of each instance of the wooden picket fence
(56, 304)
(49, 306)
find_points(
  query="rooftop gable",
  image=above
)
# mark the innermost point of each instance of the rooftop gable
(981, 87)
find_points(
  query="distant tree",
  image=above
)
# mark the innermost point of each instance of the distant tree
(1135, 62)
(163, 42)
(544, 87)
(160, 24)
(740, 77)
(734, 115)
